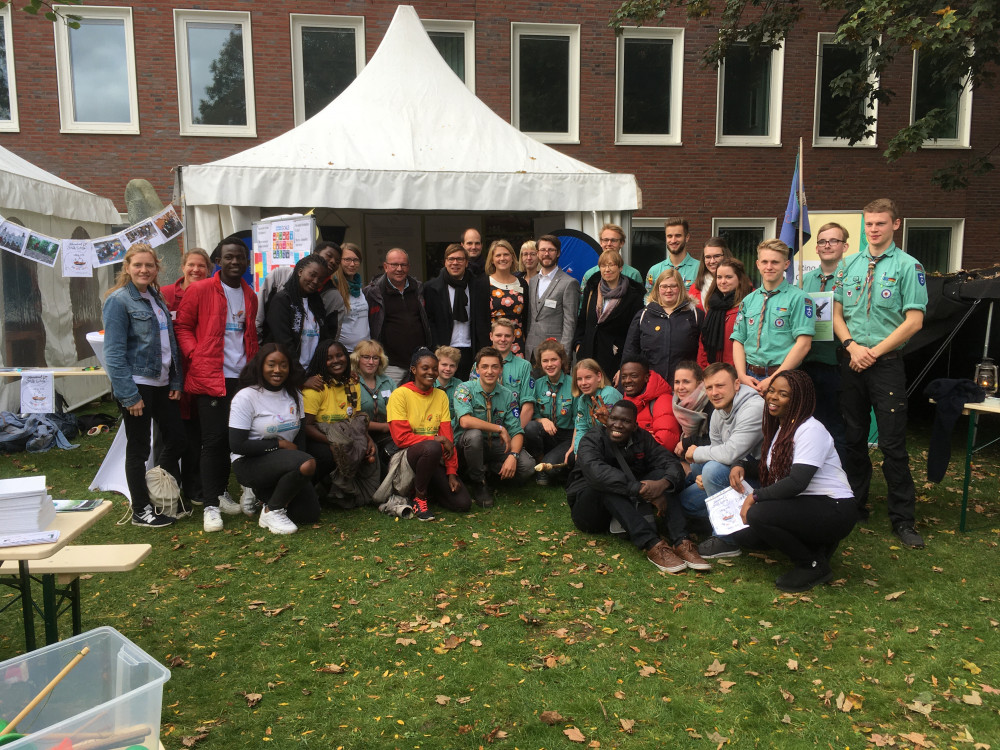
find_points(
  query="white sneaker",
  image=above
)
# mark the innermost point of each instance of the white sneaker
(248, 502)
(212, 519)
(227, 505)
(277, 521)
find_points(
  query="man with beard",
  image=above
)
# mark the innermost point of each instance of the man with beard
(677, 235)
(554, 298)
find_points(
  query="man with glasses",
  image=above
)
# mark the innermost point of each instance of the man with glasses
(554, 298)
(677, 234)
(396, 313)
(612, 237)
(458, 308)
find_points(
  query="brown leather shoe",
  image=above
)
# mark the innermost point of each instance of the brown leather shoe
(687, 552)
(664, 558)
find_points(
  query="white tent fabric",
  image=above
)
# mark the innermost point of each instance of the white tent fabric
(405, 135)
(47, 204)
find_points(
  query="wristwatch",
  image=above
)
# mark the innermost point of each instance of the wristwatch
(847, 343)
(515, 454)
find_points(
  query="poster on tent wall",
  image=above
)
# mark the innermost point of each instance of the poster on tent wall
(77, 259)
(13, 238)
(41, 249)
(280, 242)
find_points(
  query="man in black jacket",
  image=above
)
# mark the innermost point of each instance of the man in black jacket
(623, 477)
(458, 308)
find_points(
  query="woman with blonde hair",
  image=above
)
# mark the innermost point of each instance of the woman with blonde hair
(195, 266)
(668, 330)
(369, 363)
(528, 261)
(143, 362)
(349, 281)
(507, 293)
(594, 398)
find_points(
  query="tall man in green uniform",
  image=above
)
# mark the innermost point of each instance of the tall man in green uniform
(677, 235)
(879, 302)
(821, 362)
(775, 324)
(489, 435)
(516, 370)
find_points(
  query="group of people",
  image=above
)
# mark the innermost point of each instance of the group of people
(644, 395)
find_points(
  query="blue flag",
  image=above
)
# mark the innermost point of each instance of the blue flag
(795, 213)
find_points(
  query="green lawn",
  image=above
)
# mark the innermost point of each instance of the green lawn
(369, 632)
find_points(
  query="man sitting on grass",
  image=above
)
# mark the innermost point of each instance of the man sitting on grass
(624, 478)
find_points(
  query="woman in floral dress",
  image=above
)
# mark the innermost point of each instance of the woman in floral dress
(508, 294)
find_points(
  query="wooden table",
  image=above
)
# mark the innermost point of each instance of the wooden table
(70, 526)
(989, 406)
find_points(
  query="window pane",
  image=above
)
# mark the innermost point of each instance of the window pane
(329, 65)
(836, 60)
(646, 86)
(543, 82)
(451, 45)
(4, 84)
(98, 60)
(743, 243)
(649, 247)
(218, 75)
(932, 94)
(746, 91)
(931, 246)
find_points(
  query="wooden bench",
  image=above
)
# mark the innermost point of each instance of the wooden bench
(66, 566)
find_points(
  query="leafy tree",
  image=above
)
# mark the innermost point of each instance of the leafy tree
(47, 9)
(226, 98)
(959, 43)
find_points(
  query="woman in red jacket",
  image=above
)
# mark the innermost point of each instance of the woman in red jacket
(217, 335)
(731, 285)
(420, 423)
(652, 397)
(195, 266)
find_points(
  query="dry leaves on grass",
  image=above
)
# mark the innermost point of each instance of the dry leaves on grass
(627, 725)
(919, 740)
(715, 668)
(725, 686)
(331, 669)
(551, 718)
(574, 735)
(793, 665)
(252, 698)
(894, 596)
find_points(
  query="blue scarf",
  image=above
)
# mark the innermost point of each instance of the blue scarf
(354, 283)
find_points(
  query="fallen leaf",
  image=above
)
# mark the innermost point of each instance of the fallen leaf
(920, 707)
(919, 740)
(331, 669)
(627, 724)
(406, 641)
(972, 699)
(793, 665)
(465, 699)
(988, 689)
(252, 698)
(894, 595)
(787, 696)
(786, 719)
(442, 700)
(715, 668)
(551, 718)
(192, 740)
(619, 695)
(971, 667)
(574, 735)
(647, 670)
(716, 737)
(881, 740)
(725, 686)
(176, 662)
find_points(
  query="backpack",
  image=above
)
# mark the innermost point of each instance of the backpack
(164, 494)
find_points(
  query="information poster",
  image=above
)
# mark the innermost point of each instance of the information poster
(823, 309)
(280, 241)
(37, 393)
(77, 259)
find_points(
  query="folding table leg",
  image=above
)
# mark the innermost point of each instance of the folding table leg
(50, 612)
(74, 588)
(27, 607)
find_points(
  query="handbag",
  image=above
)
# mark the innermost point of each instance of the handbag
(348, 438)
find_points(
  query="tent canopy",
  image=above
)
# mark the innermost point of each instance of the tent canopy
(405, 135)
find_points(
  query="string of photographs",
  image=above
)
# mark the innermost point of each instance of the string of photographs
(81, 257)
(280, 241)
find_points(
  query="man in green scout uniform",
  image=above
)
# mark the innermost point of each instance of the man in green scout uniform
(489, 435)
(821, 362)
(775, 324)
(516, 370)
(677, 234)
(879, 302)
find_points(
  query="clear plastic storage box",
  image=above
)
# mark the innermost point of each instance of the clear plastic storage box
(111, 699)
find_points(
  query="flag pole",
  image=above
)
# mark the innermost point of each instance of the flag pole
(802, 198)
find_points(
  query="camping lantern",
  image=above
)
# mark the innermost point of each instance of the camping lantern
(986, 375)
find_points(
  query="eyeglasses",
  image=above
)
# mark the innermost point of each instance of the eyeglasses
(349, 259)
(611, 241)
(828, 243)
(398, 265)
(370, 357)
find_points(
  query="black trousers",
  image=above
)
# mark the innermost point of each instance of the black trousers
(826, 381)
(430, 480)
(277, 482)
(191, 460)
(881, 387)
(213, 412)
(806, 528)
(156, 406)
(593, 510)
(546, 448)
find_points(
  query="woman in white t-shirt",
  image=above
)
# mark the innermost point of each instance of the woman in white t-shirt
(805, 505)
(144, 364)
(268, 443)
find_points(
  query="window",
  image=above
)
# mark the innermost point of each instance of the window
(215, 73)
(8, 88)
(749, 97)
(930, 93)
(743, 236)
(95, 71)
(328, 52)
(648, 245)
(545, 96)
(936, 243)
(455, 40)
(649, 86)
(831, 61)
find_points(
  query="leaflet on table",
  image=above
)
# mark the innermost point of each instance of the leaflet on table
(724, 509)
(67, 506)
(30, 537)
(37, 393)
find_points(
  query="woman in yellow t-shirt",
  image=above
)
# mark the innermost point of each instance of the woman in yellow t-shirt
(337, 400)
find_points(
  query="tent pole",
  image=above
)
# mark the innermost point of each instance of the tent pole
(989, 322)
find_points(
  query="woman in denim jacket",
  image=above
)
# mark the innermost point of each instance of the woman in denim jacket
(144, 364)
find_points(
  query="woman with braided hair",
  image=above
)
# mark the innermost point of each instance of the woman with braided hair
(804, 506)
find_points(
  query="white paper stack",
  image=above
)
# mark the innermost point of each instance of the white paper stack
(25, 506)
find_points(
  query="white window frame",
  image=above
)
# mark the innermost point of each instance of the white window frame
(871, 109)
(773, 138)
(673, 138)
(517, 30)
(12, 125)
(64, 71)
(297, 21)
(468, 30)
(957, 227)
(187, 127)
(964, 114)
(770, 226)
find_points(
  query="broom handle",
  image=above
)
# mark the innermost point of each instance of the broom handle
(46, 690)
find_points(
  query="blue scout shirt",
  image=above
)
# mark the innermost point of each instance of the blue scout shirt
(787, 315)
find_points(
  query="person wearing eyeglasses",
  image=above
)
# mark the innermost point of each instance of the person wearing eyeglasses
(612, 237)
(821, 362)
(397, 315)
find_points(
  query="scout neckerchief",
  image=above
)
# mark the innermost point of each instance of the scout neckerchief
(553, 393)
(869, 278)
(823, 279)
(760, 323)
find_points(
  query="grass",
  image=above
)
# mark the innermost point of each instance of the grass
(369, 632)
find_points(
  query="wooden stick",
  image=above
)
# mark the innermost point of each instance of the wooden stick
(46, 690)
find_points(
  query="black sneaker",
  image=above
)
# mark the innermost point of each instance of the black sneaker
(802, 578)
(716, 547)
(420, 510)
(149, 517)
(909, 537)
(484, 496)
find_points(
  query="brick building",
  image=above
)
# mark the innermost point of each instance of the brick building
(100, 105)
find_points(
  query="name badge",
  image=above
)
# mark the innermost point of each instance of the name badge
(551, 303)
(385, 394)
(173, 315)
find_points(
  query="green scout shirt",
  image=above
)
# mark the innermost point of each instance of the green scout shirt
(373, 402)
(584, 418)
(516, 375)
(450, 393)
(788, 315)
(504, 410)
(898, 285)
(556, 401)
(688, 268)
(824, 352)
(627, 270)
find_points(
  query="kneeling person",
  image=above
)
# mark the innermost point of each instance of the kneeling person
(623, 474)
(489, 435)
